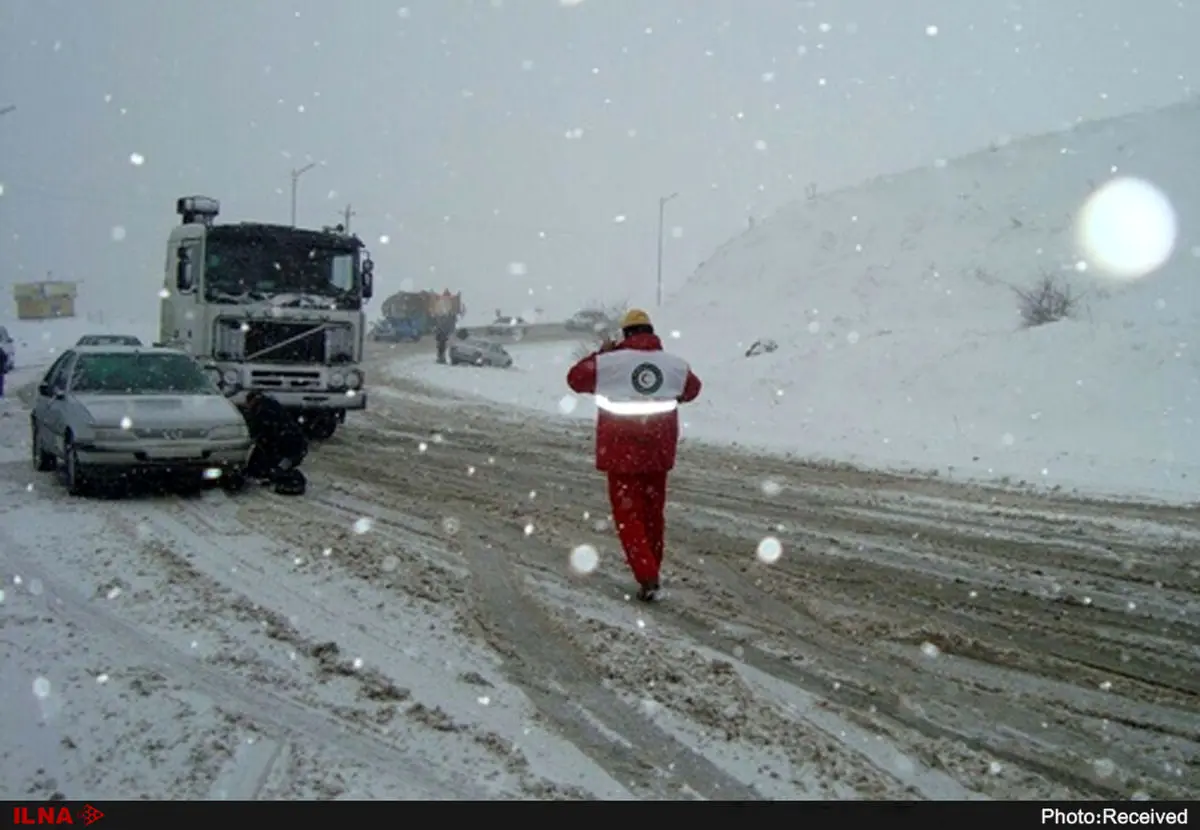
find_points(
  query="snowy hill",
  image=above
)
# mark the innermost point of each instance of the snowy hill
(900, 338)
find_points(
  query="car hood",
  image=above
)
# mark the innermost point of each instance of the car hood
(160, 411)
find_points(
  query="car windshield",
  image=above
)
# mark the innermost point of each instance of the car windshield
(140, 374)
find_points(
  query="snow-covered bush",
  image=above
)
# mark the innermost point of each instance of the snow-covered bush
(1049, 300)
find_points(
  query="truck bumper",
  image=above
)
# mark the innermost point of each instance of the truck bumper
(309, 400)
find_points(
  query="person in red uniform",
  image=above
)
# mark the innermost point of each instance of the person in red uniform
(638, 388)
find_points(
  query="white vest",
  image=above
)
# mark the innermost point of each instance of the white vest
(633, 382)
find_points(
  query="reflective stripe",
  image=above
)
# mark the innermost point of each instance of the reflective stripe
(635, 407)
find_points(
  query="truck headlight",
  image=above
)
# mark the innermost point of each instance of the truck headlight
(354, 379)
(230, 377)
(337, 380)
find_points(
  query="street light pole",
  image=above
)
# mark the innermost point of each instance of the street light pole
(662, 208)
(296, 174)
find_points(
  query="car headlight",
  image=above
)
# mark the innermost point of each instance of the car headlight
(337, 379)
(230, 377)
(354, 379)
(215, 374)
(229, 432)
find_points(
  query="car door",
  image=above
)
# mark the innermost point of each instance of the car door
(50, 410)
(41, 402)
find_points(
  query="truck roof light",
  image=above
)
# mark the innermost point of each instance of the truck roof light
(203, 209)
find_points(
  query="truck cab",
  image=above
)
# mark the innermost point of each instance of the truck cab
(271, 308)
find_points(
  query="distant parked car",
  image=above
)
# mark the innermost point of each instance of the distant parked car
(471, 351)
(589, 320)
(395, 331)
(108, 340)
(511, 327)
(107, 411)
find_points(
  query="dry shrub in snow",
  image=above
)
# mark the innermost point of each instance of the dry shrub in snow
(763, 346)
(1049, 300)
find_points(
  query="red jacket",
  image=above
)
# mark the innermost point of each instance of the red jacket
(635, 443)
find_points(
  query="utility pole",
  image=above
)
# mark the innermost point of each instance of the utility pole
(662, 209)
(346, 214)
(296, 174)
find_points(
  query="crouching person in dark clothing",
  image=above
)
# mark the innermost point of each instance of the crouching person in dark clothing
(279, 442)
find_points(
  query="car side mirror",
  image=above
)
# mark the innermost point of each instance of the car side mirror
(44, 390)
(368, 279)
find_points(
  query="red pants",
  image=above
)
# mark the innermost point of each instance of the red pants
(639, 504)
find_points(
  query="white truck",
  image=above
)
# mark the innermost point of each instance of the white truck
(272, 308)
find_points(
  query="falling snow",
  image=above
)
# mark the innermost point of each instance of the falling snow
(182, 630)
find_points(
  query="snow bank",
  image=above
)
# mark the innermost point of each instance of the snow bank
(899, 332)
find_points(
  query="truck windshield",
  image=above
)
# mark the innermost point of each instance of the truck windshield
(300, 268)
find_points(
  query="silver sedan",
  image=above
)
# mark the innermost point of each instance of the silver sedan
(471, 352)
(104, 411)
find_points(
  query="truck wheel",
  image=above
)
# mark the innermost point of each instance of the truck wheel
(320, 427)
(233, 481)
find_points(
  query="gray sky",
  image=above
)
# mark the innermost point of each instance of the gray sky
(476, 135)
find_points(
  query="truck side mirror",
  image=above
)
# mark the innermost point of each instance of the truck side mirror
(368, 278)
(183, 270)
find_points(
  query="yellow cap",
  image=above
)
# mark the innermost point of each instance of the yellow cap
(635, 317)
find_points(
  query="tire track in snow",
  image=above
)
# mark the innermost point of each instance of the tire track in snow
(281, 716)
(536, 653)
(546, 666)
(525, 459)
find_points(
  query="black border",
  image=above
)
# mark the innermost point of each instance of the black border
(119, 814)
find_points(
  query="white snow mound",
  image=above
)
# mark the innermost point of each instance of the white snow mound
(900, 340)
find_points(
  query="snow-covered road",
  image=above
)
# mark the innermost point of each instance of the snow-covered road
(412, 628)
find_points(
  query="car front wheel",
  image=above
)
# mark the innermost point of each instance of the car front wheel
(77, 482)
(43, 462)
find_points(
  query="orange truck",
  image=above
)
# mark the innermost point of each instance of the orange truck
(410, 315)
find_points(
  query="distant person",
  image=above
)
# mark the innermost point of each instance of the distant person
(445, 320)
(443, 330)
(279, 442)
(638, 389)
(4, 369)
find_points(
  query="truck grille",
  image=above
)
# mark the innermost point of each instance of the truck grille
(283, 380)
(294, 342)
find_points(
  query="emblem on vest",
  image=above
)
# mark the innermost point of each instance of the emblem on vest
(646, 378)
